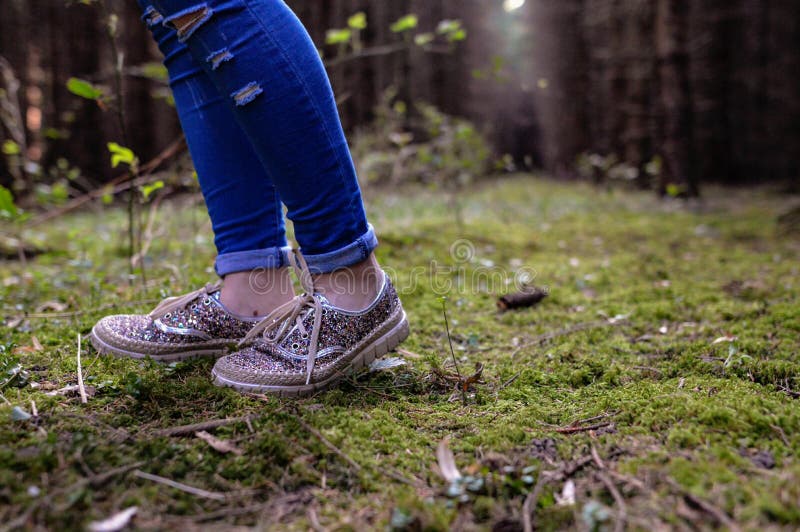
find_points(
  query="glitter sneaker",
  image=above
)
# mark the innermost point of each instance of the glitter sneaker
(193, 325)
(308, 345)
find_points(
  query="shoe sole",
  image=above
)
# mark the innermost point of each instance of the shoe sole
(375, 349)
(107, 349)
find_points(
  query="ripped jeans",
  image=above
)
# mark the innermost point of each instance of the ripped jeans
(263, 130)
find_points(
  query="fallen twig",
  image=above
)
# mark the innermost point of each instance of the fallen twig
(199, 492)
(81, 387)
(63, 391)
(185, 430)
(782, 434)
(597, 459)
(408, 354)
(326, 442)
(509, 382)
(717, 513)
(622, 513)
(531, 501)
(573, 430)
(217, 444)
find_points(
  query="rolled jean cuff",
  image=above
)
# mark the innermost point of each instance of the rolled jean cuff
(242, 261)
(349, 255)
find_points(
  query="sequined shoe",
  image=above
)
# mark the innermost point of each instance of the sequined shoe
(308, 345)
(196, 324)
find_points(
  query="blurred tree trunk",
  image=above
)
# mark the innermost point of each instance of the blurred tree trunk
(674, 97)
(712, 87)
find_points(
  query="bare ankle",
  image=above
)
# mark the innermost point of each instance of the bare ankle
(256, 293)
(352, 288)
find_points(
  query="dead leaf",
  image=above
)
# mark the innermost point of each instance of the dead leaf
(116, 522)
(474, 378)
(13, 323)
(217, 444)
(36, 344)
(35, 347)
(447, 462)
(54, 306)
(567, 496)
(380, 364)
(726, 338)
(618, 318)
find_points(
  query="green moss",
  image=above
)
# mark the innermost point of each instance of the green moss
(683, 409)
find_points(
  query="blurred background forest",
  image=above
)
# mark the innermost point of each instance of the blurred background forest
(666, 94)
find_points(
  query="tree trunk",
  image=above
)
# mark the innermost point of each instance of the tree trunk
(675, 98)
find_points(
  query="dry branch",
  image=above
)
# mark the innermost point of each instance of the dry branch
(199, 492)
(186, 430)
(120, 183)
(81, 387)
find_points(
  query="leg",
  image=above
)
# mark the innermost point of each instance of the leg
(281, 97)
(243, 204)
(350, 313)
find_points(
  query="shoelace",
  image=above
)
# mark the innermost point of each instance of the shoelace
(282, 320)
(172, 304)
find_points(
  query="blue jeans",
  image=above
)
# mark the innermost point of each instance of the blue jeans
(263, 130)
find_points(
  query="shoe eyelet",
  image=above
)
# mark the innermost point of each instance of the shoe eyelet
(295, 346)
(324, 312)
(207, 301)
(168, 315)
(194, 306)
(304, 336)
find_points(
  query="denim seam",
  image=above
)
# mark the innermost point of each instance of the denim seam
(303, 83)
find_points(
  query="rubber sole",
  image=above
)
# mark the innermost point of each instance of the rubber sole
(377, 347)
(107, 349)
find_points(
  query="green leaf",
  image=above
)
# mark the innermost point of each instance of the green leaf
(422, 39)
(452, 29)
(152, 187)
(458, 35)
(358, 21)
(674, 190)
(108, 195)
(338, 36)
(120, 154)
(84, 89)
(448, 26)
(11, 148)
(408, 22)
(155, 71)
(7, 207)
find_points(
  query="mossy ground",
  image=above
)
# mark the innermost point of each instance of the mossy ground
(639, 292)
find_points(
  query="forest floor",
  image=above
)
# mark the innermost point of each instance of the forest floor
(655, 388)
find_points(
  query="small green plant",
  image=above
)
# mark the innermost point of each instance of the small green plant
(8, 209)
